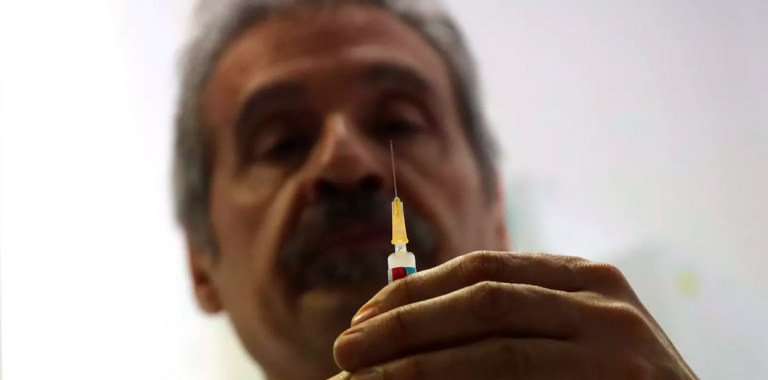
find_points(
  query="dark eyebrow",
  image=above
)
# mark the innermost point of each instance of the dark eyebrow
(395, 75)
(274, 94)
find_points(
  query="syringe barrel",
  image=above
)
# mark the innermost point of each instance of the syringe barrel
(400, 264)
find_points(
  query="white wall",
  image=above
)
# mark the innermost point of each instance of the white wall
(93, 277)
(635, 132)
(654, 113)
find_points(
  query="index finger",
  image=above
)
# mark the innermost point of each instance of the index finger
(564, 273)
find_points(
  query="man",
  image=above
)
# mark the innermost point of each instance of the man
(283, 187)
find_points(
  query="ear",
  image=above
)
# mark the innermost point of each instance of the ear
(501, 231)
(201, 268)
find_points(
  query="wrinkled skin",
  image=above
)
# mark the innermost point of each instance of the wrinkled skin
(502, 315)
(299, 113)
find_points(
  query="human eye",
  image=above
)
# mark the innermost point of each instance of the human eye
(400, 120)
(285, 149)
(284, 137)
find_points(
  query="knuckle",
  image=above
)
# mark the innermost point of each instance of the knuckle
(396, 325)
(510, 359)
(604, 273)
(503, 348)
(635, 367)
(411, 368)
(395, 294)
(638, 369)
(482, 265)
(489, 301)
(626, 318)
(573, 261)
(668, 372)
(400, 291)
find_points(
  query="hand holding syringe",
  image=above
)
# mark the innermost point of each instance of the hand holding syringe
(401, 263)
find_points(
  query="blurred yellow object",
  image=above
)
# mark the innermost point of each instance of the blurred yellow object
(688, 283)
(398, 223)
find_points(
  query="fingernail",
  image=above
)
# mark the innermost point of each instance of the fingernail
(348, 348)
(368, 374)
(364, 315)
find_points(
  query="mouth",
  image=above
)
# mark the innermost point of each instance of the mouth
(343, 243)
(340, 256)
(355, 238)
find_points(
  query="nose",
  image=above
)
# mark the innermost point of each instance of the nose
(345, 162)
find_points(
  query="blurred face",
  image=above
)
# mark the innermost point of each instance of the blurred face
(300, 113)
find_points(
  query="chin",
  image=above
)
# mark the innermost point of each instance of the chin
(327, 312)
(335, 303)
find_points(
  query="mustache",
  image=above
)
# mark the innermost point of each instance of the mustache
(305, 265)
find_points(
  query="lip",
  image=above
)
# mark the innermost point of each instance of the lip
(355, 237)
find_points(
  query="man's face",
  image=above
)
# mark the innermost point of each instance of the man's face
(300, 112)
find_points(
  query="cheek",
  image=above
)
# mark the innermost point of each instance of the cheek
(239, 206)
(248, 213)
(453, 171)
(464, 194)
(447, 189)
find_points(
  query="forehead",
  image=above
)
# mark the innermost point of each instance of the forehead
(301, 43)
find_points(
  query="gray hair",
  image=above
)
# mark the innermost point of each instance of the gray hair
(218, 22)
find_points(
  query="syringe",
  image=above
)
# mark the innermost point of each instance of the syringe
(401, 263)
